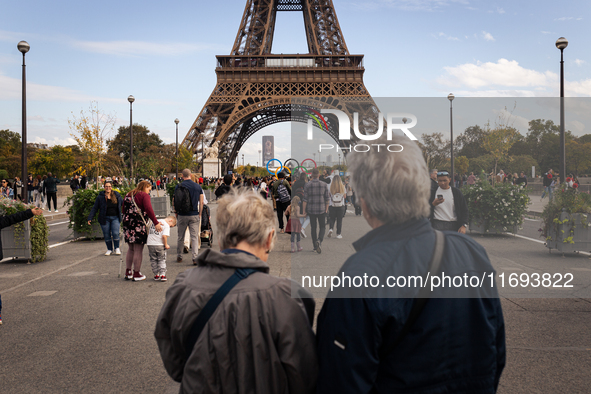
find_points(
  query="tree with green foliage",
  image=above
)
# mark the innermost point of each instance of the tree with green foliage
(578, 156)
(461, 164)
(470, 142)
(436, 149)
(58, 160)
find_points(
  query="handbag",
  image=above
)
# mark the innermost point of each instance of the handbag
(143, 236)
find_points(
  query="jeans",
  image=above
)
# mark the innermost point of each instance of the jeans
(50, 197)
(157, 259)
(281, 208)
(111, 232)
(547, 190)
(305, 222)
(193, 223)
(336, 214)
(30, 193)
(315, 222)
(294, 236)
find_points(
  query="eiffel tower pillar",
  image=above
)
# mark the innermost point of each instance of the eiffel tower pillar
(256, 88)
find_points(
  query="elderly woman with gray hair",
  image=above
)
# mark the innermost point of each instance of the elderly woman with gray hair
(381, 338)
(227, 326)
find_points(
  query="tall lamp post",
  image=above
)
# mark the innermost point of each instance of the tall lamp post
(131, 99)
(451, 97)
(562, 43)
(24, 47)
(176, 121)
(260, 159)
(243, 160)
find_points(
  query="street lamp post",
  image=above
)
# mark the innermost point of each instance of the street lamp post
(176, 121)
(339, 162)
(131, 99)
(260, 159)
(24, 47)
(243, 160)
(562, 43)
(451, 97)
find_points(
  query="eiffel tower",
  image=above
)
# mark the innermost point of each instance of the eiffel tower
(256, 88)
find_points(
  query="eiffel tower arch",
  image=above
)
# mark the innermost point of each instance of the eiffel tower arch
(256, 88)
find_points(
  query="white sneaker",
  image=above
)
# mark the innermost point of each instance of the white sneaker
(108, 252)
(329, 233)
(339, 236)
(55, 210)
(303, 233)
(117, 251)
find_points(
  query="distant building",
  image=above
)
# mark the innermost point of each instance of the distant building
(37, 145)
(329, 160)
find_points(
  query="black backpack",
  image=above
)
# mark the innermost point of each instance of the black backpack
(182, 200)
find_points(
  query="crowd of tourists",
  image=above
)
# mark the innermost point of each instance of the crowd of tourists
(228, 326)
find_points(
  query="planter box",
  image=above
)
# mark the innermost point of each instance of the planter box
(581, 234)
(161, 206)
(479, 226)
(20, 247)
(97, 232)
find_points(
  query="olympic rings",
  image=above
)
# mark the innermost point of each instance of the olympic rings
(315, 165)
(281, 168)
(289, 160)
(280, 165)
(304, 169)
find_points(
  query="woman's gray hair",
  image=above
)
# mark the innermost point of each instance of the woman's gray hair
(394, 185)
(243, 215)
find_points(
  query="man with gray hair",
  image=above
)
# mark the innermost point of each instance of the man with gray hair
(404, 338)
(188, 205)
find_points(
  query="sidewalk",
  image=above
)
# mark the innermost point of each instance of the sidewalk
(536, 205)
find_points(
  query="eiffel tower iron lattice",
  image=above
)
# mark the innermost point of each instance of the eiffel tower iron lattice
(256, 88)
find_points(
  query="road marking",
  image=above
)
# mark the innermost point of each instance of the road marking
(55, 224)
(542, 242)
(8, 276)
(42, 293)
(83, 273)
(67, 242)
(50, 273)
(532, 220)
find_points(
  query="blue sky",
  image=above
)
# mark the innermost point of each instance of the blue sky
(163, 53)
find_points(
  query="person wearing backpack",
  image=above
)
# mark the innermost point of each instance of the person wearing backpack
(337, 206)
(188, 206)
(281, 192)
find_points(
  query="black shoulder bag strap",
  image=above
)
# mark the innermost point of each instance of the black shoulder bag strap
(211, 306)
(424, 293)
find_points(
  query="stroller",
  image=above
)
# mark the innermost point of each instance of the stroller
(206, 228)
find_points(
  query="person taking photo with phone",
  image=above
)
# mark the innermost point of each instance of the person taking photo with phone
(449, 211)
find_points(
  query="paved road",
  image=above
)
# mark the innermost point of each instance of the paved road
(71, 325)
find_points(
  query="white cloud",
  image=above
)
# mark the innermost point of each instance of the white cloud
(577, 127)
(447, 37)
(507, 78)
(500, 10)
(36, 118)
(504, 73)
(138, 48)
(55, 141)
(11, 90)
(568, 18)
(487, 36)
(579, 62)
(546, 32)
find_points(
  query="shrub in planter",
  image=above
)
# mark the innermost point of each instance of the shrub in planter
(496, 208)
(81, 204)
(39, 236)
(170, 186)
(566, 217)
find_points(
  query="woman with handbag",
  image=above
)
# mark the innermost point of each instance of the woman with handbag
(137, 214)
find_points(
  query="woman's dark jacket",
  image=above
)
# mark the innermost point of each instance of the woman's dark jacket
(100, 206)
(7, 221)
(459, 203)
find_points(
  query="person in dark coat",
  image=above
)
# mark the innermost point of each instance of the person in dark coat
(108, 206)
(449, 210)
(9, 220)
(224, 187)
(50, 189)
(457, 342)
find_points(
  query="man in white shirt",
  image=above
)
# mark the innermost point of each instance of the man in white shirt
(449, 211)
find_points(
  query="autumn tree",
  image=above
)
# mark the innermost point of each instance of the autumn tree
(91, 131)
(578, 156)
(498, 143)
(461, 164)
